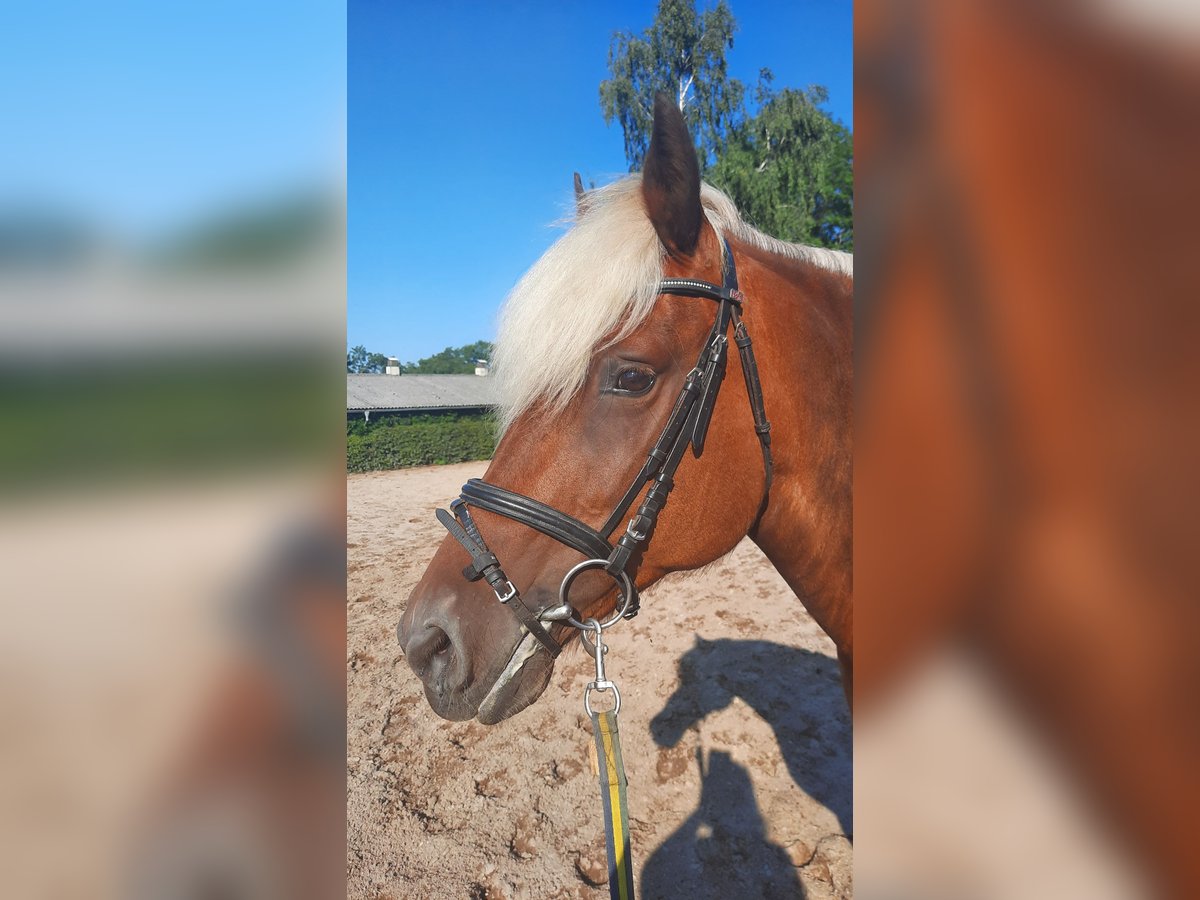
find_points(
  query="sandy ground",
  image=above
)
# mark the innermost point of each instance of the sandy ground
(734, 725)
(118, 605)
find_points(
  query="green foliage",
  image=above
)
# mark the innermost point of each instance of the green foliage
(419, 441)
(451, 361)
(361, 362)
(358, 425)
(787, 166)
(789, 169)
(682, 53)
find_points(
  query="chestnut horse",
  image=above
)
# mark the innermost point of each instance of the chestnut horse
(591, 360)
(1026, 445)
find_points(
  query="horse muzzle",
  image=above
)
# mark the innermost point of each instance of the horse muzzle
(435, 651)
(465, 671)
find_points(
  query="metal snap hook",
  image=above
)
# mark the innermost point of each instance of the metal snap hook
(601, 682)
(587, 698)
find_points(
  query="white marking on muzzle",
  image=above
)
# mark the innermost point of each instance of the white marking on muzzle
(524, 651)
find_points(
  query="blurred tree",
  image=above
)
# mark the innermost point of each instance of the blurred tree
(682, 53)
(259, 235)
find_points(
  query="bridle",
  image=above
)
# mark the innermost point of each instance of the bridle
(686, 426)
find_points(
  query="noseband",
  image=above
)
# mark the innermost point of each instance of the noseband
(687, 425)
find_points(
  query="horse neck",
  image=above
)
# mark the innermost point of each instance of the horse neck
(800, 317)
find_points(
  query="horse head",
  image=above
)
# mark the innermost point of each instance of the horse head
(591, 363)
(697, 697)
(610, 356)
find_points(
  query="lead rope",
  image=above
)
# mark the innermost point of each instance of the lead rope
(611, 766)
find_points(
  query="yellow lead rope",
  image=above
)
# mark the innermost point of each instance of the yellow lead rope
(616, 813)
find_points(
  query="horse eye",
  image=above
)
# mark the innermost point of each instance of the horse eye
(634, 380)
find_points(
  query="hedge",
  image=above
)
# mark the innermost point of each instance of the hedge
(425, 442)
(154, 419)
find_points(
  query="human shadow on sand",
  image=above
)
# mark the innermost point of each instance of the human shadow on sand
(722, 850)
(798, 692)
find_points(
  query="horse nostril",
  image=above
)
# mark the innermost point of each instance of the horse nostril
(441, 642)
(431, 644)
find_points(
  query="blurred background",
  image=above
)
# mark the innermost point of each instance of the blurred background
(1026, 490)
(172, 323)
(172, 318)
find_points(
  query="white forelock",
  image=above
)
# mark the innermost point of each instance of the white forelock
(600, 278)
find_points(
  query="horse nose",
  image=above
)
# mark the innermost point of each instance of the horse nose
(435, 653)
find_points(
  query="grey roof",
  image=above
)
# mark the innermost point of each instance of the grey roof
(402, 392)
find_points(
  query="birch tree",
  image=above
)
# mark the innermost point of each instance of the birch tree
(682, 53)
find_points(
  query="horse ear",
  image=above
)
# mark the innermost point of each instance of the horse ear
(671, 180)
(581, 197)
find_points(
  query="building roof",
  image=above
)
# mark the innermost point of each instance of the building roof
(396, 393)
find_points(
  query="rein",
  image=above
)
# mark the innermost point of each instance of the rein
(686, 426)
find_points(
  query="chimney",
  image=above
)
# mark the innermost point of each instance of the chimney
(481, 368)
(393, 366)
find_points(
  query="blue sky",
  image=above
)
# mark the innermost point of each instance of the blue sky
(465, 122)
(139, 116)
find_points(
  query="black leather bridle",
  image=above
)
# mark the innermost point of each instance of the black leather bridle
(687, 425)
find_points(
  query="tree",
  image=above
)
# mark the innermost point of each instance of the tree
(682, 53)
(787, 166)
(452, 360)
(361, 362)
(789, 169)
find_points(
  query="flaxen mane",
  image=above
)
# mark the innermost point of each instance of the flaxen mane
(600, 278)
